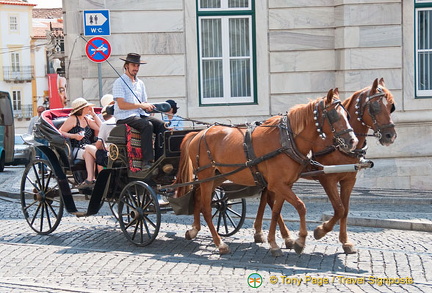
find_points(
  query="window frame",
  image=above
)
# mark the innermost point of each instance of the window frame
(15, 24)
(16, 100)
(15, 62)
(225, 14)
(420, 5)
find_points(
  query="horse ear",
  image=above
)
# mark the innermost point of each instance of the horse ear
(336, 92)
(381, 82)
(329, 96)
(374, 86)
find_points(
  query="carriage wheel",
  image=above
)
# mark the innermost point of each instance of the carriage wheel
(41, 197)
(139, 213)
(229, 214)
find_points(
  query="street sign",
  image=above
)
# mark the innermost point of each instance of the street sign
(98, 49)
(96, 23)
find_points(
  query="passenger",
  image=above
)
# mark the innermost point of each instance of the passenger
(105, 129)
(78, 127)
(132, 108)
(35, 119)
(172, 120)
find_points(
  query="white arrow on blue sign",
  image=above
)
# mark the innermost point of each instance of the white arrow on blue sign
(96, 23)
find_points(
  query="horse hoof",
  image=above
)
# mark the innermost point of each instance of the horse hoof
(276, 252)
(259, 238)
(224, 249)
(298, 248)
(319, 232)
(289, 243)
(188, 235)
(349, 248)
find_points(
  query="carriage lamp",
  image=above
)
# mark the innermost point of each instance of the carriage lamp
(167, 168)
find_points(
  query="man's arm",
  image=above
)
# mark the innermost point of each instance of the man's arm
(122, 104)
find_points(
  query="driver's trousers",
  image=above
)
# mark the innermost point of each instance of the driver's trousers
(147, 125)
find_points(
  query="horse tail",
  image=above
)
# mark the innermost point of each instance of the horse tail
(185, 168)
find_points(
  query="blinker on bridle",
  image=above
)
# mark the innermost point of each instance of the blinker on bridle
(332, 116)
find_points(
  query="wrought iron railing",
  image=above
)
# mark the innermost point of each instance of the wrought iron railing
(18, 73)
(26, 112)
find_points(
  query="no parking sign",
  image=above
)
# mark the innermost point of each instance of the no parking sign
(98, 49)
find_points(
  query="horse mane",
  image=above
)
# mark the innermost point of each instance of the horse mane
(297, 114)
(348, 102)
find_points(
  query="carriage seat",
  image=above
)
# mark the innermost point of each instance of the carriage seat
(118, 135)
(58, 122)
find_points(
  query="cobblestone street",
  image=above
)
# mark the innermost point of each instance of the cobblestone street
(92, 255)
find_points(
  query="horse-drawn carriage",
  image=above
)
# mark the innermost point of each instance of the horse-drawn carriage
(51, 182)
(217, 167)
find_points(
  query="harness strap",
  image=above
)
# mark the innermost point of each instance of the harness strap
(288, 144)
(250, 156)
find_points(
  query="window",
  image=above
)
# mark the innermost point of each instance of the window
(13, 23)
(15, 62)
(423, 48)
(16, 100)
(226, 51)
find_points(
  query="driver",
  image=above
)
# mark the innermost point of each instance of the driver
(131, 107)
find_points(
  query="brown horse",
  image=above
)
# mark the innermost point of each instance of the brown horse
(217, 154)
(369, 108)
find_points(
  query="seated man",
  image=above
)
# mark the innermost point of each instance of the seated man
(131, 107)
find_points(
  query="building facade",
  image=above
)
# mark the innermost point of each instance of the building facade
(236, 61)
(16, 61)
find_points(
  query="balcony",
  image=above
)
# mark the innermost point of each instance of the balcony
(18, 74)
(26, 112)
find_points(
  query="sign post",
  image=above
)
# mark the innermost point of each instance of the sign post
(98, 50)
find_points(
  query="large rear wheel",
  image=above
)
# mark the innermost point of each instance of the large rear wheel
(228, 214)
(41, 197)
(139, 213)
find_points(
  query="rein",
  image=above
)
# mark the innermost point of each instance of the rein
(287, 146)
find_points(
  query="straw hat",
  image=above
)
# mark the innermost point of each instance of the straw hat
(106, 100)
(79, 104)
(133, 58)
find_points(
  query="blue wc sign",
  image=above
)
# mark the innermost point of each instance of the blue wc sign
(96, 23)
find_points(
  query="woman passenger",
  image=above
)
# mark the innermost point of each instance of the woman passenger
(78, 128)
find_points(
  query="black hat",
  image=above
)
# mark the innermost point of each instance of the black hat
(133, 58)
(173, 105)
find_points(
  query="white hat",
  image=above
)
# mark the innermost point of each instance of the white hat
(79, 104)
(106, 100)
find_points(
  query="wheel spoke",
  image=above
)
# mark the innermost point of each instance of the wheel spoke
(41, 197)
(138, 202)
(233, 212)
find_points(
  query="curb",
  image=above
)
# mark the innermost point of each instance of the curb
(413, 225)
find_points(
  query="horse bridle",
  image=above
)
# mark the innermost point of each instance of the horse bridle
(332, 116)
(373, 106)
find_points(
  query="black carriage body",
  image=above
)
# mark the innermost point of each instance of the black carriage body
(132, 196)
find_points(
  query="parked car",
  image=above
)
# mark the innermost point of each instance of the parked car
(22, 151)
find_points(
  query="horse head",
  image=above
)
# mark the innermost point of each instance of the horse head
(374, 108)
(330, 109)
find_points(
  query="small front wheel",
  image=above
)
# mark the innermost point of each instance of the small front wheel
(139, 213)
(228, 214)
(41, 197)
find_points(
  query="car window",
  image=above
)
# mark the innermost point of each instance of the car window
(18, 139)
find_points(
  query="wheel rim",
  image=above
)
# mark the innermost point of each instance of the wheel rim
(139, 213)
(228, 214)
(41, 198)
